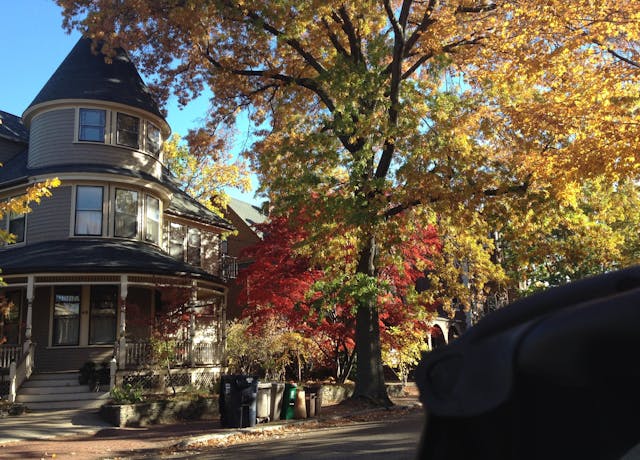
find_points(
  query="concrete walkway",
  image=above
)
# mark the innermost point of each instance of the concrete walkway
(50, 424)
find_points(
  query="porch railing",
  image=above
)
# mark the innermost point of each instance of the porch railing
(20, 370)
(8, 354)
(139, 353)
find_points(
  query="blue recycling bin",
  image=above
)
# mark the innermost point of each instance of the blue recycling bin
(238, 395)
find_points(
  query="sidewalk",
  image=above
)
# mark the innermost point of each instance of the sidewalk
(83, 435)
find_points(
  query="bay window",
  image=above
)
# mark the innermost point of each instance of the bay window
(152, 221)
(154, 140)
(88, 210)
(126, 214)
(92, 125)
(127, 130)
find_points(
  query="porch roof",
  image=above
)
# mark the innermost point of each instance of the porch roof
(95, 255)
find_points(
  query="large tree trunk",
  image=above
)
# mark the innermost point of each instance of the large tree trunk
(369, 372)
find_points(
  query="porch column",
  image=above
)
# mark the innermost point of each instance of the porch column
(192, 320)
(122, 349)
(29, 322)
(222, 339)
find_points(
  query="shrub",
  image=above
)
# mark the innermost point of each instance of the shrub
(127, 394)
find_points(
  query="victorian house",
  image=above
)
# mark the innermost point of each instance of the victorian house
(96, 265)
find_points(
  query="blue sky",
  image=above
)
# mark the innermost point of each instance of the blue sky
(34, 43)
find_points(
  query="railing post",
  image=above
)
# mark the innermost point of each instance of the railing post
(112, 373)
(12, 382)
(29, 359)
(122, 353)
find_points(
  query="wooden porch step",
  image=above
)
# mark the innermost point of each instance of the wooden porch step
(59, 390)
(65, 405)
(55, 376)
(60, 397)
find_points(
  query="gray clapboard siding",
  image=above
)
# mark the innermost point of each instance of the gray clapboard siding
(50, 219)
(51, 143)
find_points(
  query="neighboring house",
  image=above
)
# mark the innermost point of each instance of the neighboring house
(244, 216)
(94, 265)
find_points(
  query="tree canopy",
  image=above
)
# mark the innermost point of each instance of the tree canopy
(380, 116)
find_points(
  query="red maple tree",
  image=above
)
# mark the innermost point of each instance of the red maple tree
(281, 284)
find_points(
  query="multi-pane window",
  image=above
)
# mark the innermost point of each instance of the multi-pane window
(92, 125)
(127, 130)
(102, 316)
(88, 210)
(154, 140)
(16, 225)
(66, 316)
(152, 221)
(177, 233)
(193, 246)
(126, 214)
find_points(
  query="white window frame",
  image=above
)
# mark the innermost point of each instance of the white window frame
(112, 213)
(146, 219)
(6, 224)
(147, 148)
(105, 216)
(111, 130)
(116, 131)
(105, 127)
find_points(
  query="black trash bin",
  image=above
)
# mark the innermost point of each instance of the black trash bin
(238, 394)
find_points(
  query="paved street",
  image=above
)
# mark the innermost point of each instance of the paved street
(392, 439)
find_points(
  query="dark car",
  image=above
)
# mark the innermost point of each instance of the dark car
(554, 375)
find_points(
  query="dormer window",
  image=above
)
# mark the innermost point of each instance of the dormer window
(128, 130)
(92, 125)
(154, 140)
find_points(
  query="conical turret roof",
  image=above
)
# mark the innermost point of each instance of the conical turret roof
(85, 75)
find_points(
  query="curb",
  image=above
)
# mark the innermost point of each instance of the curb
(229, 432)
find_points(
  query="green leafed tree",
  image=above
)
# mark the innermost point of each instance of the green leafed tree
(380, 116)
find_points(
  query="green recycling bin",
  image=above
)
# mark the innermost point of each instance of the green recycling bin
(288, 401)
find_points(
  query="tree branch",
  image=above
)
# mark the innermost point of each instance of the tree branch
(334, 39)
(342, 18)
(518, 189)
(307, 83)
(292, 42)
(424, 24)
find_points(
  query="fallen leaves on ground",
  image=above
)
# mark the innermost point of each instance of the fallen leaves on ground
(331, 421)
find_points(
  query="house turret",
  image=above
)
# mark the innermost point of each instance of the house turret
(97, 263)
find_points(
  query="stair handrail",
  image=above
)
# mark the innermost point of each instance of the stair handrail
(21, 370)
